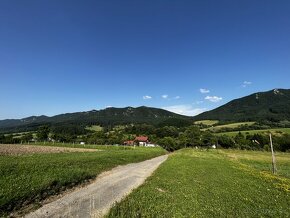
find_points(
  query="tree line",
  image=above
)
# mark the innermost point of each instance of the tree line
(169, 137)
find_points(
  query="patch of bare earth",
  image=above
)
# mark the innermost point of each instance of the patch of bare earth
(8, 149)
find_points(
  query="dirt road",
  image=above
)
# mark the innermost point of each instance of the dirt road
(96, 199)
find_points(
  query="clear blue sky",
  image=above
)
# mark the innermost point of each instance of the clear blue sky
(61, 56)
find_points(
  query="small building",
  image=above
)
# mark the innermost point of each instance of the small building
(142, 140)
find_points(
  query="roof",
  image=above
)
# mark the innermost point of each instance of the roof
(141, 138)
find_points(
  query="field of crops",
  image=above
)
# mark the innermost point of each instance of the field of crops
(213, 183)
(16, 149)
(32, 177)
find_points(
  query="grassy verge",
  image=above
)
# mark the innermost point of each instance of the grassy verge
(207, 184)
(31, 178)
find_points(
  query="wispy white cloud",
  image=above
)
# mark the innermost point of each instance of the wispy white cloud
(147, 97)
(246, 83)
(170, 98)
(198, 102)
(109, 106)
(213, 98)
(204, 91)
(187, 110)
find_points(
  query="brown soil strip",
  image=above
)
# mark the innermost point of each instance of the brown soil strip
(33, 149)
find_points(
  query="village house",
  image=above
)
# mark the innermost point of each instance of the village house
(140, 141)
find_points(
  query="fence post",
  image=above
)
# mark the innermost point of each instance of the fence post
(274, 169)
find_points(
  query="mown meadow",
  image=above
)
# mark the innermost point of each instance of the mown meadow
(28, 179)
(212, 183)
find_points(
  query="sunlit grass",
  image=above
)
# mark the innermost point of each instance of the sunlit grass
(194, 183)
(262, 161)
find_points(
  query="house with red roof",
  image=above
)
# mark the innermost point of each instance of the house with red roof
(139, 140)
(142, 140)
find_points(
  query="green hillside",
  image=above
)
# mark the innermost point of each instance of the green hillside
(272, 106)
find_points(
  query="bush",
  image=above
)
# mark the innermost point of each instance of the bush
(168, 143)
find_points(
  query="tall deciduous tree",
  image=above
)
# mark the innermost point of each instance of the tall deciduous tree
(42, 133)
(193, 136)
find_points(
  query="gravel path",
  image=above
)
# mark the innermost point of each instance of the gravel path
(96, 199)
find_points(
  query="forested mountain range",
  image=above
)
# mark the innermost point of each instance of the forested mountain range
(272, 106)
(106, 117)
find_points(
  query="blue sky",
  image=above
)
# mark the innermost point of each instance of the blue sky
(60, 56)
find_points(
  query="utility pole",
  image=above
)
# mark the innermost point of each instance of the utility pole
(274, 169)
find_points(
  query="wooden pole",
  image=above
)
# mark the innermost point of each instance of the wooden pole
(274, 169)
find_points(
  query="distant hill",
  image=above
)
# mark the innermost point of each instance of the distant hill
(272, 105)
(106, 117)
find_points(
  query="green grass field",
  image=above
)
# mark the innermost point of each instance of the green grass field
(20, 134)
(31, 178)
(87, 146)
(261, 161)
(195, 183)
(262, 131)
(207, 122)
(95, 128)
(230, 126)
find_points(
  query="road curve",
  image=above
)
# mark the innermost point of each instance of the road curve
(96, 199)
